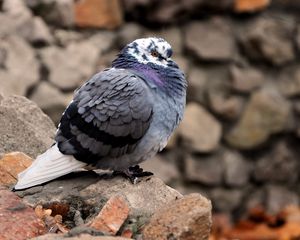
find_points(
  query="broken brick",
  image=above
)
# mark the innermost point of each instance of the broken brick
(18, 221)
(11, 165)
(112, 216)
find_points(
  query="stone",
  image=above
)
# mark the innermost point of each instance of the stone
(288, 81)
(14, 23)
(56, 12)
(229, 107)
(24, 127)
(18, 221)
(92, 191)
(226, 200)
(11, 164)
(50, 100)
(207, 170)
(186, 218)
(269, 39)
(112, 216)
(245, 80)
(278, 165)
(38, 32)
(256, 198)
(279, 197)
(211, 40)
(237, 169)
(128, 33)
(162, 169)
(197, 85)
(266, 113)
(70, 67)
(199, 129)
(98, 13)
(103, 41)
(64, 37)
(19, 57)
(14, 7)
(242, 6)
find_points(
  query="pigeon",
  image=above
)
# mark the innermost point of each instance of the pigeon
(119, 118)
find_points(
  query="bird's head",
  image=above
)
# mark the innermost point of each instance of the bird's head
(149, 51)
(150, 58)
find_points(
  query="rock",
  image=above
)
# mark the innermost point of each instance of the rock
(289, 81)
(237, 169)
(24, 127)
(103, 41)
(279, 197)
(266, 113)
(245, 80)
(15, 22)
(18, 221)
(37, 32)
(186, 218)
(50, 100)
(128, 33)
(256, 198)
(80, 237)
(19, 57)
(11, 165)
(211, 40)
(226, 200)
(199, 129)
(68, 68)
(98, 13)
(64, 37)
(242, 6)
(23, 24)
(57, 12)
(197, 84)
(14, 7)
(207, 170)
(91, 190)
(229, 107)
(162, 169)
(269, 39)
(278, 165)
(112, 216)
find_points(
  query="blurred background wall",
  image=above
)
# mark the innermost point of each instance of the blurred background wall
(239, 141)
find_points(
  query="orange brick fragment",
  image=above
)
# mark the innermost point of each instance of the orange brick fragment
(17, 221)
(11, 165)
(98, 13)
(250, 5)
(112, 216)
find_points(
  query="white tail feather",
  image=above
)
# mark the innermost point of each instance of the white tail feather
(48, 166)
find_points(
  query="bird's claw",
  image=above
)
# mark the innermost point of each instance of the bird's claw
(133, 173)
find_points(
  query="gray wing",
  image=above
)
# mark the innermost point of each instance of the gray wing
(107, 117)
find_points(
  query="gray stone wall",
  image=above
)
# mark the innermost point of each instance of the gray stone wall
(239, 141)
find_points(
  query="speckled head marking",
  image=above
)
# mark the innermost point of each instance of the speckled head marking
(150, 59)
(154, 50)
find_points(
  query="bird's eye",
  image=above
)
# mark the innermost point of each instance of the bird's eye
(154, 53)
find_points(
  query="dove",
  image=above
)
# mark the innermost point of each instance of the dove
(119, 118)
